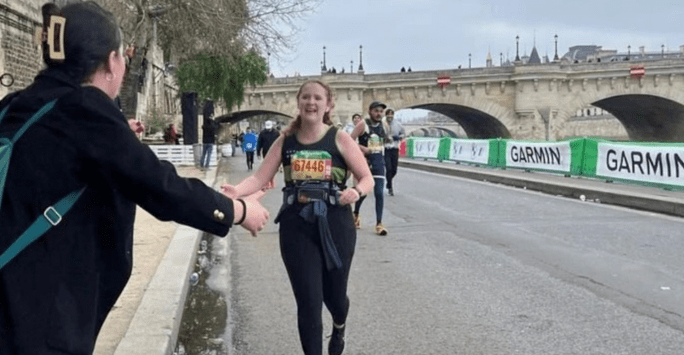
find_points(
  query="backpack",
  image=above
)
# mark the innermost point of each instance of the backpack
(52, 215)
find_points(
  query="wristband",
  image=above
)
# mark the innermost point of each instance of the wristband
(244, 211)
(358, 190)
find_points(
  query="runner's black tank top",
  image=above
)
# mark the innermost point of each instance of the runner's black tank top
(339, 167)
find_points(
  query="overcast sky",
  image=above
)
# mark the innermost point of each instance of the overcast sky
(439, 34)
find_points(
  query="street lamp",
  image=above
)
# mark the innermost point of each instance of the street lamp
(469, 55)
(501, 59)
(360, 58)
(662, 50)
(629, 48)
(268, 62)
(555, 57)
(351, 67)
(517, 48)
(324, 68)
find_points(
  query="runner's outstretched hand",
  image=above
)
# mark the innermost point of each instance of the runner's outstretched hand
(256, 215)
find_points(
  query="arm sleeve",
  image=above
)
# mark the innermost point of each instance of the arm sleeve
(134, 170)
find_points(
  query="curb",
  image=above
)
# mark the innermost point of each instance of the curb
(632, 196)
(155, 325)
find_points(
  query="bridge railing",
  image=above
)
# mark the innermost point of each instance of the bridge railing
(651, 164)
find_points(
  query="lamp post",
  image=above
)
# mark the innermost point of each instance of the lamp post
(629, 48)
(555, 57)
(360, 58)
(324, 68)
(351, 66)
(268, 62)
(517, 48)
(501, 59)
(662, 50)
(469, 56)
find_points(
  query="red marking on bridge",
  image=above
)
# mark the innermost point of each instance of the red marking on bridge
(637, 71)
(443, 80)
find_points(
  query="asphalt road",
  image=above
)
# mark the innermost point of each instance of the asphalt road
(474, 268)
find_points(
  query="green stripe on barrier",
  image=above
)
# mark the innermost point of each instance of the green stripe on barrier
(589, 157)
(409, 147)
(444, 146)
(576, 155)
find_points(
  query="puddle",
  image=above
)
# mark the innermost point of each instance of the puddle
(205, 314)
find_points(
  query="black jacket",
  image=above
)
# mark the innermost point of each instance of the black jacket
(265, 141)
(55, 295)
(209, 131)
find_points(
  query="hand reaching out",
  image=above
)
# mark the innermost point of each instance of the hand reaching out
(256, 215)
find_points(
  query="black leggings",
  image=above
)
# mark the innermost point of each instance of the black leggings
(312, 283)
(391, 162)
(250, 160)
(379, 199)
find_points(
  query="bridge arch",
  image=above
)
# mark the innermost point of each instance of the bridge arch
(432, 132)
(647, 117)
(479, 118)
(652, 117)
(234, 117)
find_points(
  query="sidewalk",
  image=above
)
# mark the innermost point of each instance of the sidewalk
(151, 241)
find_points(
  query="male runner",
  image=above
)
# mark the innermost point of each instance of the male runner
(372, 133)
(396, 133)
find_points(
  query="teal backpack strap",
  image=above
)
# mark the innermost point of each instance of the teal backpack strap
(52, 215)
(4, 111)
(36, 116)
(50, 218)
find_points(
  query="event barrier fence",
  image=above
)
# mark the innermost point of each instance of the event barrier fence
(183, 155)
(652, 164)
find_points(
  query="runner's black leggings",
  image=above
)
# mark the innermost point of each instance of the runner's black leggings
(312, 283)
(391, 162)
(250, 159)
(379, 199)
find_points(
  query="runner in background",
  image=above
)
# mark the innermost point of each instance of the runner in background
(372, 133)
(396, 133)
(249, 142)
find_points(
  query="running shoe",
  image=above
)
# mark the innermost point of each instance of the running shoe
(380, 229)
(391, 192)
(357, 221)
(336, 344)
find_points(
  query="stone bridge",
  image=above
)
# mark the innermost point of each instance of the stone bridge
(520, 102)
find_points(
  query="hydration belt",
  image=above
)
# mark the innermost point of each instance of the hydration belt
(315, 196)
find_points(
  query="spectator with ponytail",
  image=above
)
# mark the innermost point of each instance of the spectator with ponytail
(56, 291)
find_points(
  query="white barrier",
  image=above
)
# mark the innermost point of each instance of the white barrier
(183, 154)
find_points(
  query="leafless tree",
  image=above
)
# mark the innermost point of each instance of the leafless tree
(215, 27)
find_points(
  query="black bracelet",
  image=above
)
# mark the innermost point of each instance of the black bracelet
(358, 190)
(244, 211)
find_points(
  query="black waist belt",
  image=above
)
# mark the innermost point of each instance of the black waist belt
(315, 197)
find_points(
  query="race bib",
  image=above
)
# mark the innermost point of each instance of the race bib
(375, 144)
(311, 165)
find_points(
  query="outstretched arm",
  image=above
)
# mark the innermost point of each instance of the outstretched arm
(263, 176)
(359, 167)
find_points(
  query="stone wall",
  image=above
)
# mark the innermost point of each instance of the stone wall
(20, 56)
(605, 126)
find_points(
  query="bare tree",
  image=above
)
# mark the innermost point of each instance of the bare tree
(214, 27)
